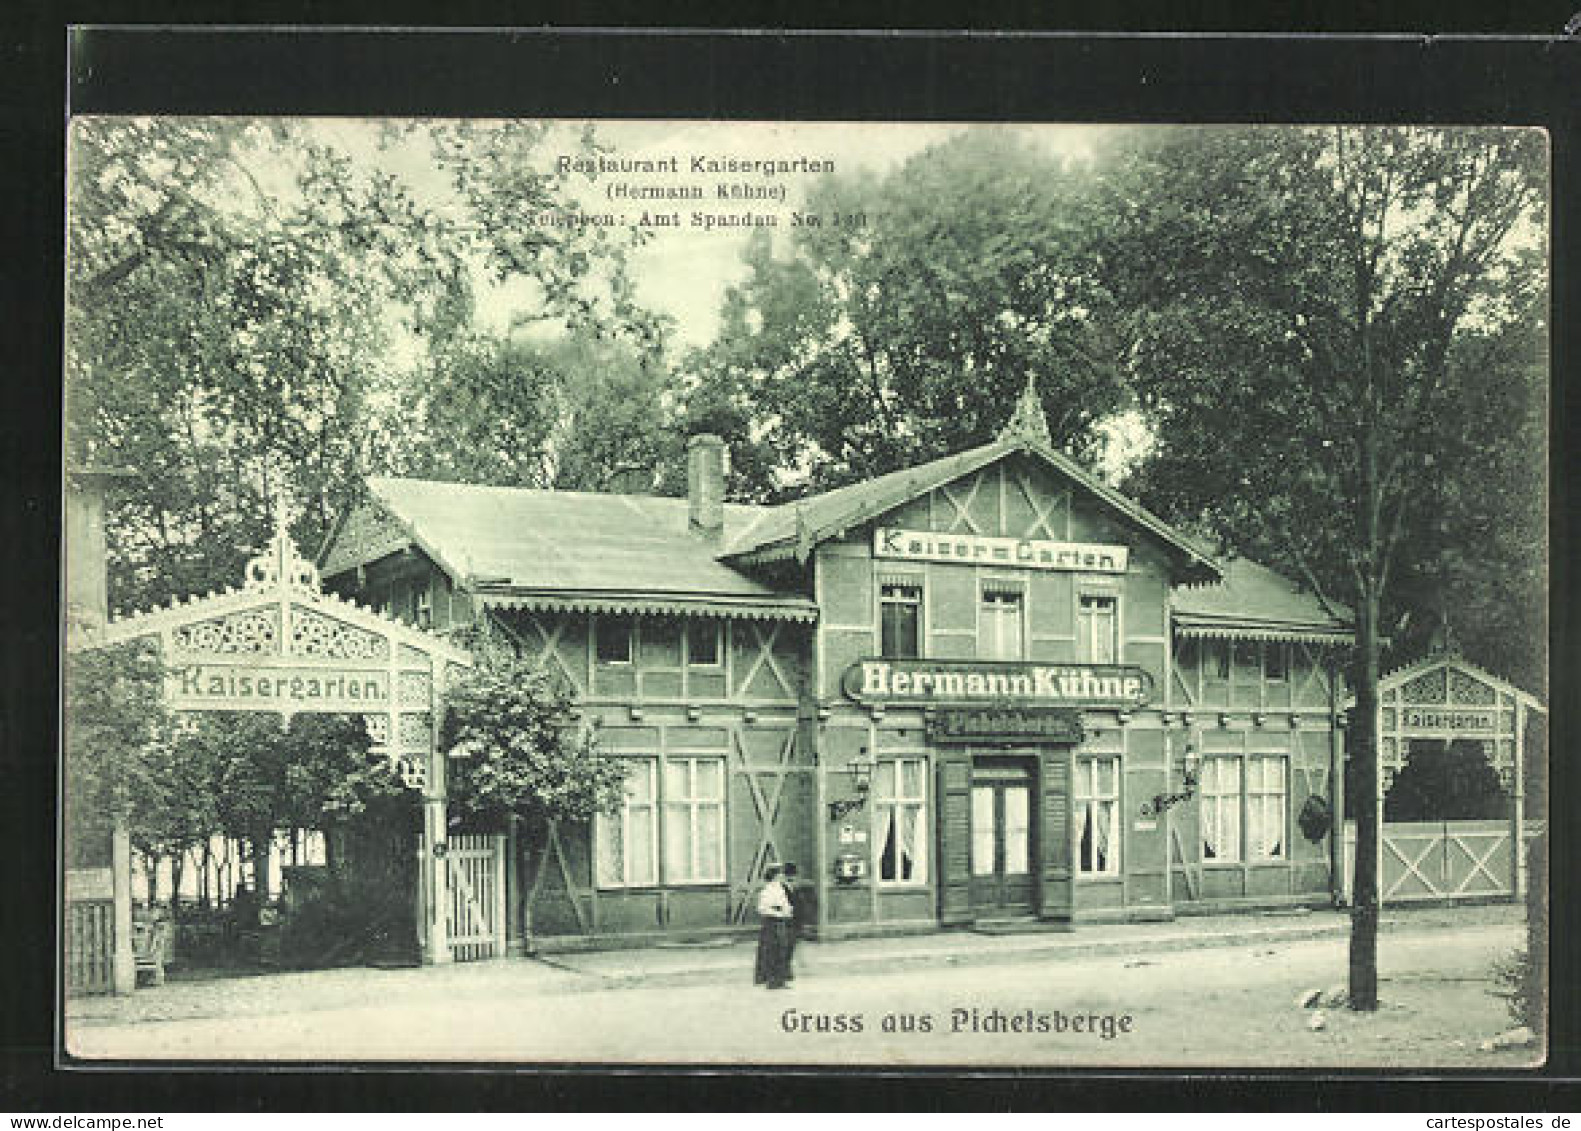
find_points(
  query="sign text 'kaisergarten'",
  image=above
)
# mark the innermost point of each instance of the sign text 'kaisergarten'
(284, 687)
(985, 549)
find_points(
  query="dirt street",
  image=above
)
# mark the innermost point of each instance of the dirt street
(1232, 1006)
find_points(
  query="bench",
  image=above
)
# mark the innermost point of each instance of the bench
(148, 949)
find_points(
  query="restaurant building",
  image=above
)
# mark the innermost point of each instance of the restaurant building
(989, 691)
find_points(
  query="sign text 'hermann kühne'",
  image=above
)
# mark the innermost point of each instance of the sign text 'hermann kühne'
(984, 681)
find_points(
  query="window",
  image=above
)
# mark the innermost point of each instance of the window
(423, 608)
(900, 616)
(1221, 809)
(615, 640)
(694, 820)
(626, 844)
(1216, 660)
(1276, 662)
(1096, 637)
(1098, 816)
(900, 808)
(702, 643)
(1265, 807)
(999, 626)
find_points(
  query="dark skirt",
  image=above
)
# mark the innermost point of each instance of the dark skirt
(773, 964)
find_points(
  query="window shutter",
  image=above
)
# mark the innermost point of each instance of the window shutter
(1056, 894)
(954, 840)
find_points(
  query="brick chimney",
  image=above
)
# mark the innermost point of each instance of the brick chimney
(705, 484)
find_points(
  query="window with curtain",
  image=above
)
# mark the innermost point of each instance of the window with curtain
(900, 617)
(900, 813)
(625, 843)
(999, 634)
(1221, 808)
(1098, 816)
(694, 820)
(1097, 628)
(1266, 794)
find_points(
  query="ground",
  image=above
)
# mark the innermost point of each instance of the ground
(1219, 1006)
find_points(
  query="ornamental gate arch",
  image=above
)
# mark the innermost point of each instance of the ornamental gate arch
(280, 644)
(1446, 697)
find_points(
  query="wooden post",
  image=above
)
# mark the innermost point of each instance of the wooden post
(435, 822)
(124, 962)
(1337, 856)
(1518, 754)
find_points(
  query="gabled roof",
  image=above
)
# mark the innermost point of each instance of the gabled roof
(510, 545)
(1403, 675)
(1254, 602)
(794, 528)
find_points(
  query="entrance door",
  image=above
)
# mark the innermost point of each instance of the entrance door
(1001, 837)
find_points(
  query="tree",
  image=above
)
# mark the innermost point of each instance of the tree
(268, 775)
(514, 752)
(577, 413)
(116, 731)
(904, 326)
(1309, 316)
(247, 300)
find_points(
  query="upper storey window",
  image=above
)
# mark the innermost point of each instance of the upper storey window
(702, 644)
(614, 636)
(1097, 628)
(999, 627)
(900, 621)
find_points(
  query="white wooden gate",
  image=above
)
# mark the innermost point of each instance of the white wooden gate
(1444, 860)
(476, 915)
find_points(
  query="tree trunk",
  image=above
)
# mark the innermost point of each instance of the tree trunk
(1364, 755)
(261, 843)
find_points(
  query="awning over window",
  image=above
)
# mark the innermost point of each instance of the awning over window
(1201, 631)
(798, 611)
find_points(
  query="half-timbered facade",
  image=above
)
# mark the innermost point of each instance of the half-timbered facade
(988, 690)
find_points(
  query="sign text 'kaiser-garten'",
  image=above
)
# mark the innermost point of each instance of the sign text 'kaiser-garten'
(987, 549)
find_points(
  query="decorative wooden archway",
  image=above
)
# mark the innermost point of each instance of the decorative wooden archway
(280, 644)
(1446, 697)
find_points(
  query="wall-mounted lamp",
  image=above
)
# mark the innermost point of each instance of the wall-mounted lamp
(1190, 773)
(860, 771)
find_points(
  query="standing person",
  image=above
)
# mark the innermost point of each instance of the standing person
(774, 911)
(801, 906)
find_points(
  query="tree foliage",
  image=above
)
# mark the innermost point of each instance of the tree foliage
(906, 330)
(116, 735)
(248, 302)
(1297, 298)
(578, 413)
(1310, 315)
(513, 750)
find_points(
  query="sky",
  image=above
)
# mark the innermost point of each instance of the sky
(684, 272)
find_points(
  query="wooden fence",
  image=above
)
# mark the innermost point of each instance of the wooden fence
(90, 946)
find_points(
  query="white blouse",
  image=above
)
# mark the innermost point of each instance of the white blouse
(774, 901)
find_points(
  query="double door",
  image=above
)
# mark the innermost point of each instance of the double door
(1002, 842)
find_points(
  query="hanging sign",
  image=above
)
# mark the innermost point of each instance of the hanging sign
(985, 549)
(1005, 724)
(275, 687)
(1440, 719)
(922, 682)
